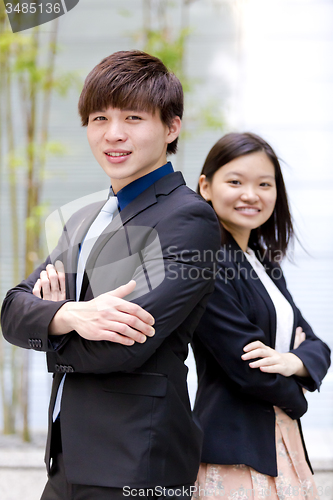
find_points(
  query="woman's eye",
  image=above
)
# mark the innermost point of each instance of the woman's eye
(265, 184)
(234, 182)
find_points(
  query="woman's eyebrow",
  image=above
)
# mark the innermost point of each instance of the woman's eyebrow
(235, 173)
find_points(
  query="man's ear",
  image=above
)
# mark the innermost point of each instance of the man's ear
(204, 186)
(174, 129)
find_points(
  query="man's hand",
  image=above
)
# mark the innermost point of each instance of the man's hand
(107, 317)
(272, 361)
(51, 283)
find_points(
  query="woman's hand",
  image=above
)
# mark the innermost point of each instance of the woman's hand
(51, 283)
(299, 337)
(272, 361)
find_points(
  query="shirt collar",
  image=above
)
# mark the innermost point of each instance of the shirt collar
(128, 193)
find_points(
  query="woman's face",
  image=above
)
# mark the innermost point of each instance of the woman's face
(243, 193)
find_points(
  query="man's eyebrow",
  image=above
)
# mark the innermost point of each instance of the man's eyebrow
(103, 110)
(136, 110)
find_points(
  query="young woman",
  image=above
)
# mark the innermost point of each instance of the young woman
(255, 353)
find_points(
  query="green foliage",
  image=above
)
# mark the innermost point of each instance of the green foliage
(27, 81)
(55, 148)
(211, 117)
(39, 211)
(168, 41)
(125, 13)
(170, 51)
(26, 54)
(62, 83)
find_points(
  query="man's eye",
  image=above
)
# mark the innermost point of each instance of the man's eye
(134, 117)
(99, 118)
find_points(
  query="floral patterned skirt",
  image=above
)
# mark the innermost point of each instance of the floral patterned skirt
(240, 482)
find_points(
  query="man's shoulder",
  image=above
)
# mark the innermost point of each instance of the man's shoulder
(78, 216)
(185, 217)
(185, 207)
(183, 196)
(74, 212)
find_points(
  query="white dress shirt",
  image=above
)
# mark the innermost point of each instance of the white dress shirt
(284, 311)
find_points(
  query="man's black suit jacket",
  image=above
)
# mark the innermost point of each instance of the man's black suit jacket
(125, 412)
(234, 402)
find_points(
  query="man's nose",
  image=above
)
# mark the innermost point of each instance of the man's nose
(115, 132)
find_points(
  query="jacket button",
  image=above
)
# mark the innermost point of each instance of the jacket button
(35, 343)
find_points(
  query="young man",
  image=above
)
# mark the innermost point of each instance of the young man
(125, 416)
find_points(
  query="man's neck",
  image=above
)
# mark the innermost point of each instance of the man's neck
(129, 192)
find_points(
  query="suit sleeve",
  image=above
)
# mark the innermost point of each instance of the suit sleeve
(189, 237)
(224, 330)
(25, 318)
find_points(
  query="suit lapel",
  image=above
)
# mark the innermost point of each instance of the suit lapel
(146, 199)
(248, 272)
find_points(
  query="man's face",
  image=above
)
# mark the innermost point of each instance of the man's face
(129, 144)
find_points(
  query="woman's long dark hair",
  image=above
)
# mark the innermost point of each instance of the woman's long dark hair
(277, 232)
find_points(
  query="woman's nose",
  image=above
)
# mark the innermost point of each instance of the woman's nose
(249, 195)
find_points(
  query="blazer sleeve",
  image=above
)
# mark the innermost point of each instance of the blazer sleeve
(188, 281)
(225, 329)
(313, 352)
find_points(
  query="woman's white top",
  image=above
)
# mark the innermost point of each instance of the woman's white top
(284, 311)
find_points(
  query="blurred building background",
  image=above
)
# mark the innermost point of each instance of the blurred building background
(264, 66)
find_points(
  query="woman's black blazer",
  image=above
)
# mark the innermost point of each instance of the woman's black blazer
(234, 402)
